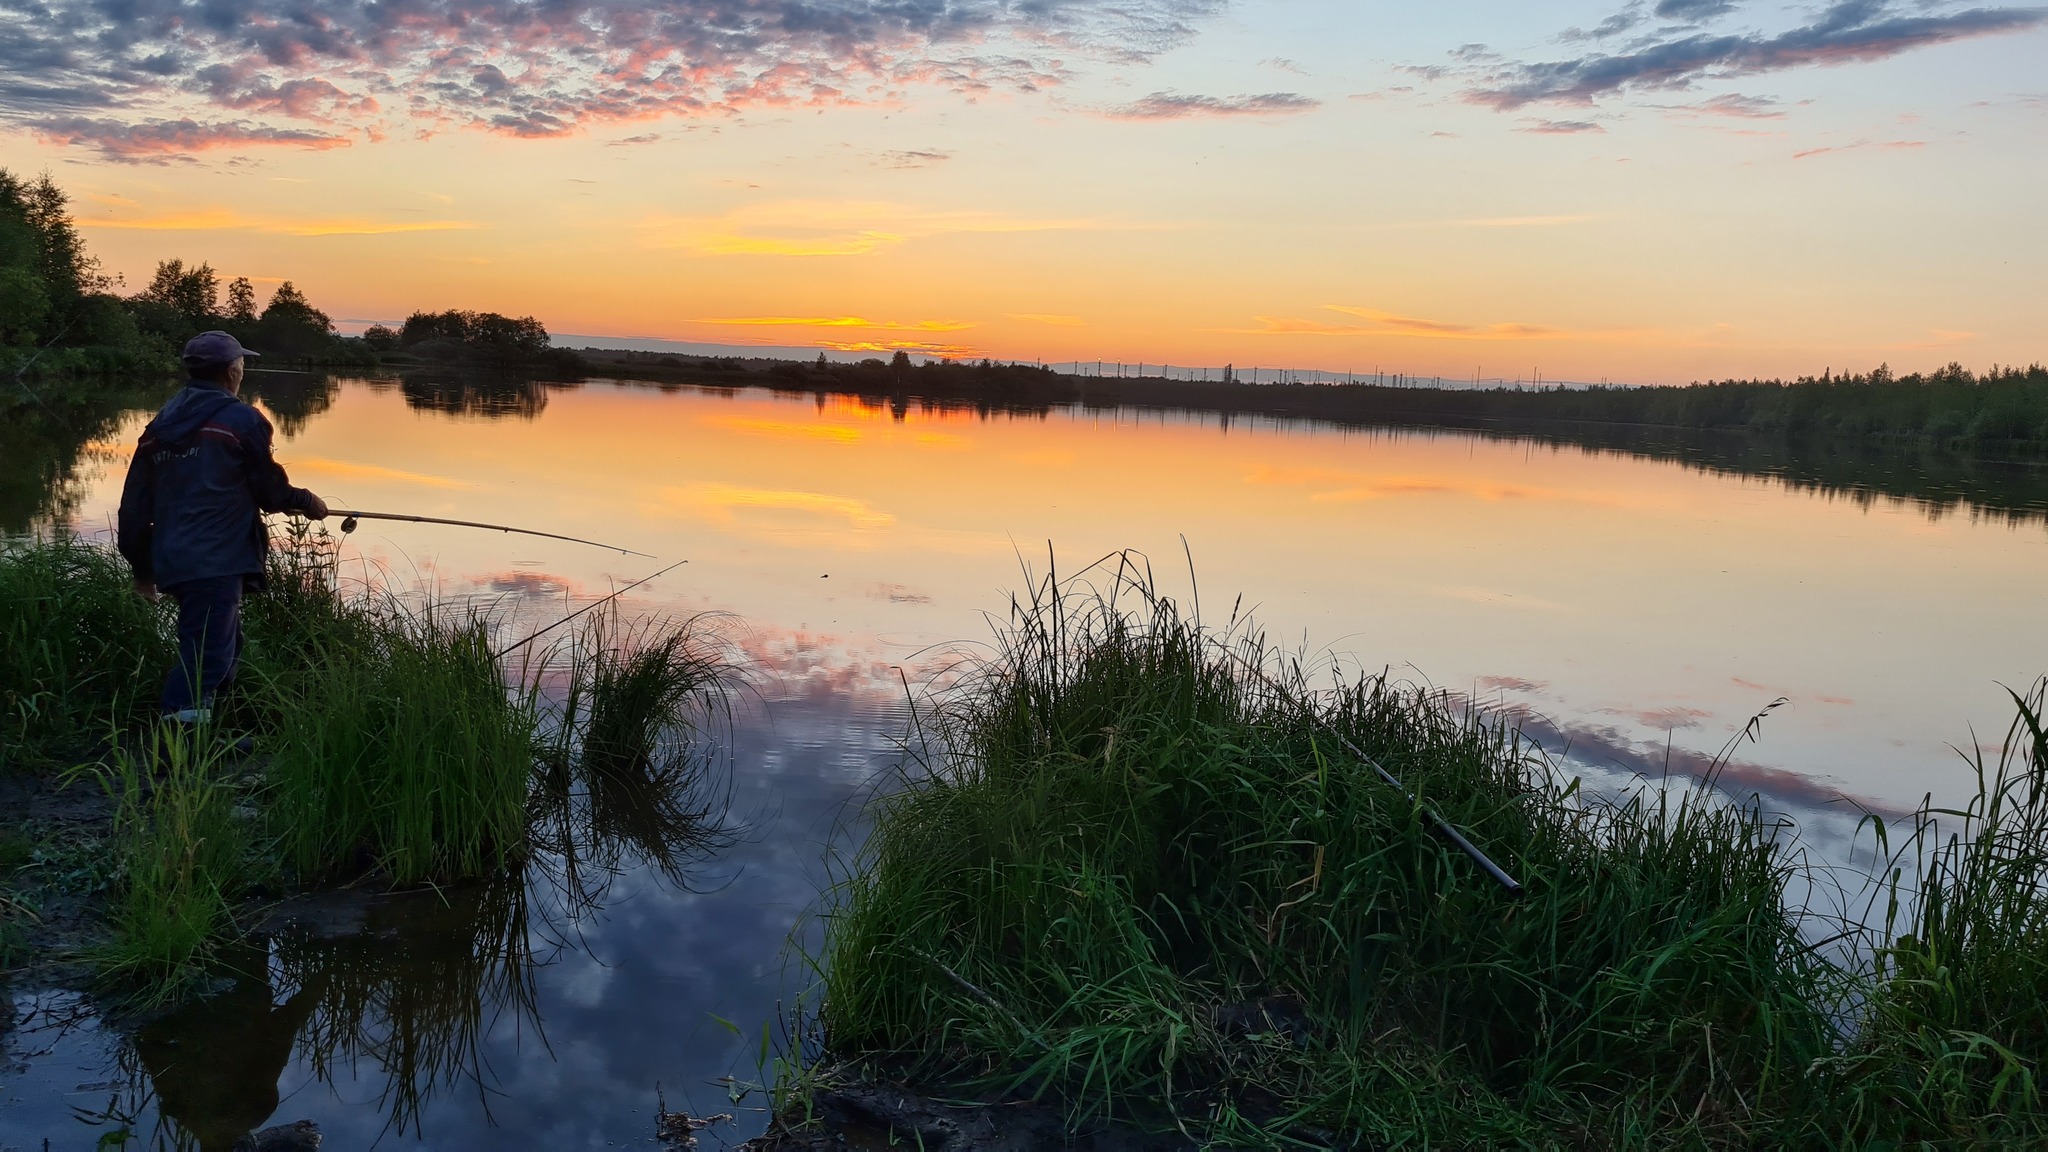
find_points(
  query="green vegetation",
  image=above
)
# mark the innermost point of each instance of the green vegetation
(397, 747)
(391, 745)
(61, 318)
(185, 860)
(52, 437)
(79, 651)
(623, 780)
(1955, 1035)
(1144, 877)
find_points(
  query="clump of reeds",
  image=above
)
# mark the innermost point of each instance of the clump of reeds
(79, 650)
(397, 745)
(637, 693)
(1144, 873)
(184, 859)
(1955, 1032)
(623, 773)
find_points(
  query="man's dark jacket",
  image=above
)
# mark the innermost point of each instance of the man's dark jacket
(201, 478)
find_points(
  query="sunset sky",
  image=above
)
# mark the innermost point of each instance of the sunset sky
(1657, 190)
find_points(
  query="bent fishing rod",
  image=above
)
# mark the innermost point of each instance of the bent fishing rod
(351, 515)
(1445, 828)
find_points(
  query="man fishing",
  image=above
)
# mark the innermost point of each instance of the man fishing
(191, 519)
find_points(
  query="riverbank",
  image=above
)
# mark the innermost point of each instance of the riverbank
(1149, 876)
(372, 742)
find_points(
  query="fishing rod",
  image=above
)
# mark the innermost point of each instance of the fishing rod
(587, 607)
(350, 516)
(1444, 827)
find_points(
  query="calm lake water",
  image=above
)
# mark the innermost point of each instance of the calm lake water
(1638, 610)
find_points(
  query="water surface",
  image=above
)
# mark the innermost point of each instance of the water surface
(1640, 609)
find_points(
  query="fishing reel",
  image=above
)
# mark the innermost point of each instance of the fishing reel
(348, 525)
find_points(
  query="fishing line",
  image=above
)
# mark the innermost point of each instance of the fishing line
(580, 611)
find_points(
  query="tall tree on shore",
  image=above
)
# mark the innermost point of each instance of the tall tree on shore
(241, 302)
(45, 273)
(291, 326)
(192, 293)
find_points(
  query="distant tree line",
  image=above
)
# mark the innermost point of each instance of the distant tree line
(2001, 410)
(61, 314)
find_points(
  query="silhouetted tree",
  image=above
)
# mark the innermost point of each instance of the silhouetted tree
(291, 327)
(241, 302)
(45, 273)
(484, 336)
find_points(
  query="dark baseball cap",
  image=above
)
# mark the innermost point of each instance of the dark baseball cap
(213, 348)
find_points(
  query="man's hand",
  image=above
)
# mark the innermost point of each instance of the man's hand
(147, 590)
(316, 508)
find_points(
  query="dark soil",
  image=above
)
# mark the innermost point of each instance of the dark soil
(54, 873)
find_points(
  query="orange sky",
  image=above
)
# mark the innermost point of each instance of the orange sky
(1596, 191)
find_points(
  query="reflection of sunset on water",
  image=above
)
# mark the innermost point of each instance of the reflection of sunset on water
(1624, 595)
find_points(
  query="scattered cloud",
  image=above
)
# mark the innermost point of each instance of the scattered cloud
(1848, 31)
(155, 141)
(1559, 127)
(1176, 106)
(914, 158)
(1693, 11)
(1283, 64)
(630, 141)
(885, 347)
(1738, 106)
(1889, 145)
(1375, 322)
(112, 74)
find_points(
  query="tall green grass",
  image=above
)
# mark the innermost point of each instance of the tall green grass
(79, 651)
(1142, 875)
(391, 742)
(1956, 1029)
(185, 858)
(397, 746)
(624, 776)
